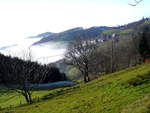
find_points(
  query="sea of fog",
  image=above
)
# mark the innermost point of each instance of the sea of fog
(43, 53)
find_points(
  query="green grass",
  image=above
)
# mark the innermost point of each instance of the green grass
(113, 93)
(125, 31)
(111, 31)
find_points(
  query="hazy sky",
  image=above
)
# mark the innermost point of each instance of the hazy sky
(23, 18)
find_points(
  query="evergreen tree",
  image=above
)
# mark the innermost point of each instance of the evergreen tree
(144, 48)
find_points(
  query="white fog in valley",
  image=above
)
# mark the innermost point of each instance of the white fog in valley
(43, 53)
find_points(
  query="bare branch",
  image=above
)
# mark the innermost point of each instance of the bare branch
(136, 3)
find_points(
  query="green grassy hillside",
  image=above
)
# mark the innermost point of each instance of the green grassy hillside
(126, 91)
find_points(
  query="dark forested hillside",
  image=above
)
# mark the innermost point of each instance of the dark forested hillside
(14, 69)
(20, 76)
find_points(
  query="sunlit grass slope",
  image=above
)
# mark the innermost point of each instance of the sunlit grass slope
(126, 91)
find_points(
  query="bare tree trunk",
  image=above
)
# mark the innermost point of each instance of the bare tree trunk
(112, 56)
(85, 80)
(88, 78)
(29, 96)
(27, 99)
(26, 96)
(87, 72)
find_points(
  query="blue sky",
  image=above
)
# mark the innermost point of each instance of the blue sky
(23, 18)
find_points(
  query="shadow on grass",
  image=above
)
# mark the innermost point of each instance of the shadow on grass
(59, 92)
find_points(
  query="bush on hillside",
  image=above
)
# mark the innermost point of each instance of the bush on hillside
(139, 80)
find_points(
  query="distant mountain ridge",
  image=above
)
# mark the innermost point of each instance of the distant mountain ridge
(93, 32)
(72, 34)
(6, 47)
(42, 35)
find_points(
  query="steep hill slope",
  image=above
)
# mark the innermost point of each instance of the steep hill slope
(126, 91)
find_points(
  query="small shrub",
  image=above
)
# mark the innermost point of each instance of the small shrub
(135, 81)
(139, 80)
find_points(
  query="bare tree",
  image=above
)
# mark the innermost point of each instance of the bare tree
(18, 75)
(20, 78)
(81, 55)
